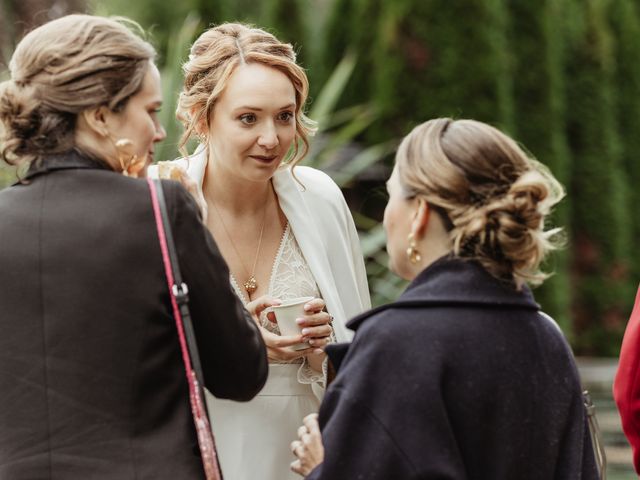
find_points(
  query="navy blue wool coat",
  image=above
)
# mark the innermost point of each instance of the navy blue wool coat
(461, 378)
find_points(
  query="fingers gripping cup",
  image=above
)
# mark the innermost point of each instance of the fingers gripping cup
(286, 314)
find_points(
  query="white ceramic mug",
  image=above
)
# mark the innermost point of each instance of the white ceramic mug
(286, 314)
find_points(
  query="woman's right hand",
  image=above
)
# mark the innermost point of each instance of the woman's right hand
(278, 346)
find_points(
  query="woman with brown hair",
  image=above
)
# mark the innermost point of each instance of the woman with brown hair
(462, 376)
(284, 230)
(92, 383)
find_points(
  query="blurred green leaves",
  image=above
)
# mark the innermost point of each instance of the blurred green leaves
(177, 53)
(561, 76)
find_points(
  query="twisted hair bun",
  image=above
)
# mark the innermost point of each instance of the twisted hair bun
(61, 69)
(30, 127)
(496, 198)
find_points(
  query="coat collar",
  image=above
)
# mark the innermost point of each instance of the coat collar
(72, 159)
(451, 281)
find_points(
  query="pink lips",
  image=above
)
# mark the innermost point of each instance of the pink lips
(264, 158)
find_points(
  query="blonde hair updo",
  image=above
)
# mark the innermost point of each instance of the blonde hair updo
(495, 198)
(214, 57)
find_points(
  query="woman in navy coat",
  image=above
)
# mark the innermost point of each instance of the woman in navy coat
(462, 377)
(92, 384)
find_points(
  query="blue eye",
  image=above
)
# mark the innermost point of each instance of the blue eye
(248, 118)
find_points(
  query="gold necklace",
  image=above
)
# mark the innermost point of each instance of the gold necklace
(251, 285)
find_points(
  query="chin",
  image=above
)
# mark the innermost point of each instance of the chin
(262, 174)
(259, 178)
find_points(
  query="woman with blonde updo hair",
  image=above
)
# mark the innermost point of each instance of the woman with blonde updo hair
(463, 376)
(91, 375)
(285, 230)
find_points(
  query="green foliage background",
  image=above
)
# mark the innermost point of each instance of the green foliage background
(561, 76)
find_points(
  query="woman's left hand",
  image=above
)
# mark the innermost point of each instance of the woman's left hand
(308, 448)
(316, 324)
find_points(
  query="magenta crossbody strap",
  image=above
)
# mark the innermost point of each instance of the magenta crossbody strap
(178, 292)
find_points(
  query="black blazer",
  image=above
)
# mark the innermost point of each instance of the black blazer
(461, 378)
(92, 384)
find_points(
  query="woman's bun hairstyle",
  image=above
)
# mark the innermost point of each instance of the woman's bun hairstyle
(496, 198)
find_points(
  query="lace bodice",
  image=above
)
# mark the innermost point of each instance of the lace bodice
(291, 277)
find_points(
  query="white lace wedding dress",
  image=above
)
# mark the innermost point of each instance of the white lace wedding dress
(253, 438)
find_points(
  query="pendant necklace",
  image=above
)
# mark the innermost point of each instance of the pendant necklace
(251, 285)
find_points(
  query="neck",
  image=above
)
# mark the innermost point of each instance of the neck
(228, 191)
(431, 248)
(95, 147)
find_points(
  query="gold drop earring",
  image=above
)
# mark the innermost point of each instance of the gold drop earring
(130, 163)
(412, 252)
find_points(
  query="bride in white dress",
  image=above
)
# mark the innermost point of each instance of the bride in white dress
(285, 232)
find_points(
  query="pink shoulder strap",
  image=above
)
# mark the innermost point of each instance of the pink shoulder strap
(196, 394)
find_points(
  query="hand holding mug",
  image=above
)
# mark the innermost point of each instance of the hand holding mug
(316, 324)
(305, 316)
(279, 347)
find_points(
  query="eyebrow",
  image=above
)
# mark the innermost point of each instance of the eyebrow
(258, 109)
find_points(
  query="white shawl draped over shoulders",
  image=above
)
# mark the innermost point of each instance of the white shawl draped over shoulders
(323, 227)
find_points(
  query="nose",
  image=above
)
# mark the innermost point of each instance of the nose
(160, 135)
(268, 138)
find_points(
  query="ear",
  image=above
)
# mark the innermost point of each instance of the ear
(420, 220)
(96, 120)
(201, 126)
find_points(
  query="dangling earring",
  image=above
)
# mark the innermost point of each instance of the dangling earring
(129, 162)
(202, 138)
(412, 252)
